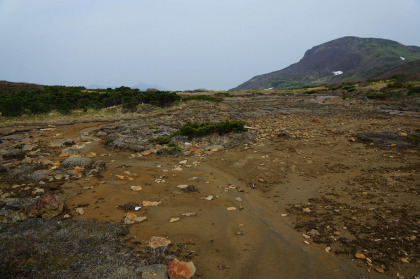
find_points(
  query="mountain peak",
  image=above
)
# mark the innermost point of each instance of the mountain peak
(343, 59)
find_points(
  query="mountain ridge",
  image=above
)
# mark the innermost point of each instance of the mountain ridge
(351, 58)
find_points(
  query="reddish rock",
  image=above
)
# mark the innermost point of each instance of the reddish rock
(46, 206)
(181, 270)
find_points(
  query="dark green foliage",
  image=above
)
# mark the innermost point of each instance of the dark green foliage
(413, 138)
(395, 85)
(192, 130)
(174, 146)
(378, 95)
(202, 98)
(65, 99)
(413, 90)
(162, 140)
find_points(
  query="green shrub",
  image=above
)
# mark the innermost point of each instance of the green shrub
(378, 95)
(174, 146)
(412, 90)
(162, 140)
(395, 85)
(192, 130)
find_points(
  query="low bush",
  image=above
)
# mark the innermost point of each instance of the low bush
(65, 99)
(45, 248)
(192, 130)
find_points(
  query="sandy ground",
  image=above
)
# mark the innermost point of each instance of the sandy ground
(305, 171)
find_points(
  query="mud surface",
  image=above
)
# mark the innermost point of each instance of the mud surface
(313, 190)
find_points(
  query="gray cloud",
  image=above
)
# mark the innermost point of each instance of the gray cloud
(182, 44)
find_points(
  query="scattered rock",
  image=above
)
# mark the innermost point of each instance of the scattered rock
(61, 142)
(313, 232)
(181, 270)
(131, 218)
(13, 154)
(136, 188)
(38, 191)
(80, 211)
(157, 241)
(188, 188)
(380, 269)
(46, 206)
(91, 155)
(156, 271)
(150, 203)
(189, 214)
(306, 210)
(209, 198)
(231, 208)
(174, 219)
(360, 256)
(78, 162)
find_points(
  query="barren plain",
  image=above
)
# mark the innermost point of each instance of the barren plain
(317, 187)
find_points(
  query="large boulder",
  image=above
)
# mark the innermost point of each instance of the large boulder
(15, 210)
(78, 162)
(46, 206)
(181, 270)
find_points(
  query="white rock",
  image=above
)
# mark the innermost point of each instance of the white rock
(136, 188)
(80, 210)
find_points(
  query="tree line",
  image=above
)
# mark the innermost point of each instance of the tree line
(65, 99)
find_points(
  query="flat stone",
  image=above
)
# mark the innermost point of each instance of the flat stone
(131, 218)
(61, 142)
(136, 188)
(189, 214)
(149, 203)
(157, 241)
(78, 162)
(174, 219)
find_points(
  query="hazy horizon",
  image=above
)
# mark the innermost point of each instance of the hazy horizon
(184, 44)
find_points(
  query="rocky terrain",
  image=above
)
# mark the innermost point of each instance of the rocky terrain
(315, 187)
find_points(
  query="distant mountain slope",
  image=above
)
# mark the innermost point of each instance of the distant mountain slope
(344, 59)
(7, 87)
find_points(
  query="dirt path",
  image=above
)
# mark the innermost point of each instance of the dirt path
(306, 157)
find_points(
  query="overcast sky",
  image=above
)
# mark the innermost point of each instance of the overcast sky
(182, 44)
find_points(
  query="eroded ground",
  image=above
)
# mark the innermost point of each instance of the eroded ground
(315, 188)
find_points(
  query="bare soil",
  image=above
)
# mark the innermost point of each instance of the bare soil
(309, 192)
